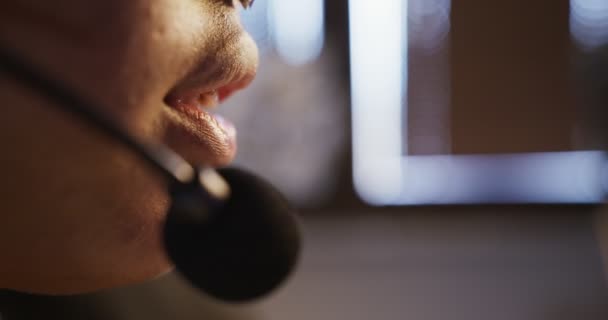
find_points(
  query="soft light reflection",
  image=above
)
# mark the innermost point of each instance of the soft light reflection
(429, 22)
(378, 56)
(297, 29)
(551, 177)
(589, 22)
(429, 88)
(255, 21)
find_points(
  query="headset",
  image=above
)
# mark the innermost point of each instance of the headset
(228, 232)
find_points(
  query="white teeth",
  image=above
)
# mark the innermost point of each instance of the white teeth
(208, 100)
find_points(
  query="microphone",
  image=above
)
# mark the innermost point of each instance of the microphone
(231, 234)
(241, 250)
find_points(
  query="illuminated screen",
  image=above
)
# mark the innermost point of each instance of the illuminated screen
(472, 101)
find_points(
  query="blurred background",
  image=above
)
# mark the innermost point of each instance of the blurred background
(426, 101)
(446, 156)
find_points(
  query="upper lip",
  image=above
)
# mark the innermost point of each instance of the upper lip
(219, 66)
(211, 76)
(230, 88)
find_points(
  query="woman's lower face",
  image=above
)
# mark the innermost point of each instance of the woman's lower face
(81, 212)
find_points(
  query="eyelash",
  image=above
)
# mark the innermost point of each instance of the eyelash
(247, 3)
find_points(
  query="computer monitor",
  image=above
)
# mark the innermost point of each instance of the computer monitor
(473, 101)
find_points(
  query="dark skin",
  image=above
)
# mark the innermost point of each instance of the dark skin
(80, 212)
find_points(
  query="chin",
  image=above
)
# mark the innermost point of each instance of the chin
(93, 263)
(90, 281)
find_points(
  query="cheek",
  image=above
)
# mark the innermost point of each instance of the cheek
(127, 234)
(105, 232)
(155, 46)
(81, 214)
(135, 228)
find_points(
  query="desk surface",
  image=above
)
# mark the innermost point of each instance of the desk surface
(372, 265)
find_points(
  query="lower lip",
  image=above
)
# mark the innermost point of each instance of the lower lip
(201, 137)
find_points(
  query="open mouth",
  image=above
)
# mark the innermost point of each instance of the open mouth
(195, 131)
(190, 126)
(198, 107)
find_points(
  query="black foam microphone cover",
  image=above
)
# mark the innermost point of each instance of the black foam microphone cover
(237, 250)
